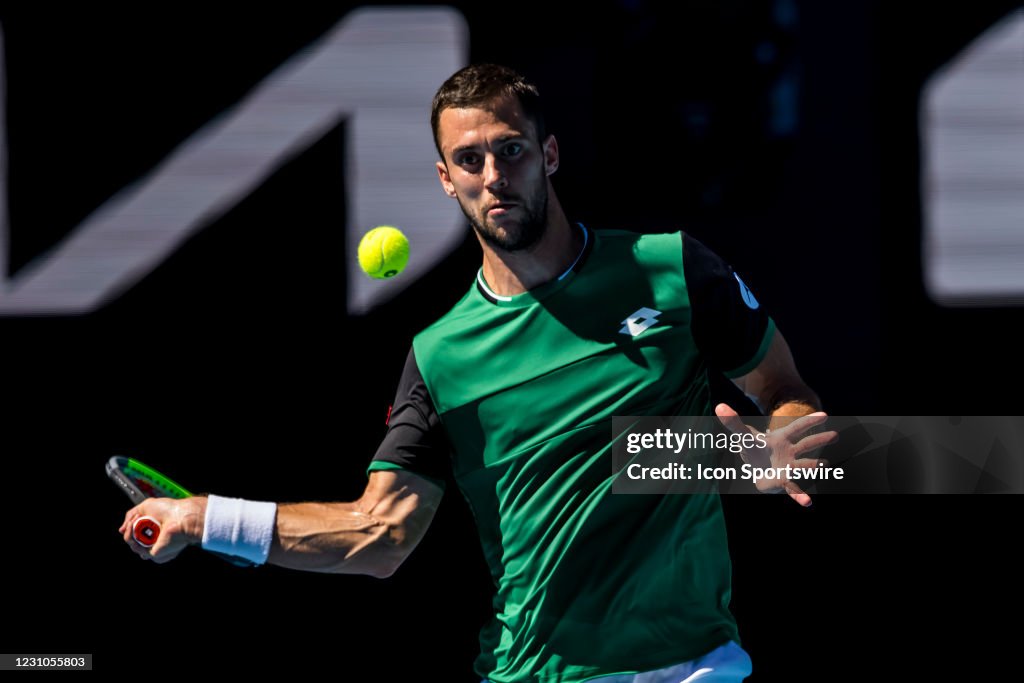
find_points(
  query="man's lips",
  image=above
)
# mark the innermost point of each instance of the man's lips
(500, 208)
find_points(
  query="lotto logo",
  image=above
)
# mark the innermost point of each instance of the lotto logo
(640, 321)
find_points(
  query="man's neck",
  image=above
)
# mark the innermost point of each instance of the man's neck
(513, 272)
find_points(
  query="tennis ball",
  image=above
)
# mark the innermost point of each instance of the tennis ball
(383, 252)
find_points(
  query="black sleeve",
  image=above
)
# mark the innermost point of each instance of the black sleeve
(415, 440)
(729, 325)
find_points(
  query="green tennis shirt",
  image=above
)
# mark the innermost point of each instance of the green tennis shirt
(514, 397)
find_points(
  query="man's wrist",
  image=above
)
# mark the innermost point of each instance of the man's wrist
(195, 519)
(238, 527)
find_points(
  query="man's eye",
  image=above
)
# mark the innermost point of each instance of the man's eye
(468, 160)
(512, 149)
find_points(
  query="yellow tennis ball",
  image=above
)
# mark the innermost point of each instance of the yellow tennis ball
(383, 252)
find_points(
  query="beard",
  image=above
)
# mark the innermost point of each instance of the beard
(515, 236)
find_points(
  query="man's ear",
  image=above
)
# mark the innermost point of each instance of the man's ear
(550, 155)
(446, 180)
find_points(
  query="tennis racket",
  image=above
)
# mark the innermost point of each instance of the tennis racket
(139, 482)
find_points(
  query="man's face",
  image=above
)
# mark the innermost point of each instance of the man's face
(497, 169)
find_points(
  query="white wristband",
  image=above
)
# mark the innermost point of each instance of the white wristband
(243, 528)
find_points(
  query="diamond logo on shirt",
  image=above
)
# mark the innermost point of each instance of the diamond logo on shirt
(639, 321)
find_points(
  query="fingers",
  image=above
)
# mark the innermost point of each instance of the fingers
(161, 553)
(129, 520)
(791, 487)
(161, 511)
(814, 441)
(126, 530)
(730, 418)
(801, 425)
(791, 432)
(808, 463)
(800, 497)
(795, 492)
(168, 545)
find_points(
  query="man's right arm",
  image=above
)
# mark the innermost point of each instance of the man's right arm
(372, 535)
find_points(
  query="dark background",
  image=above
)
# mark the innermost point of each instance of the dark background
(262, 387)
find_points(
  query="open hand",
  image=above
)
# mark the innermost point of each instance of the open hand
(785, 446)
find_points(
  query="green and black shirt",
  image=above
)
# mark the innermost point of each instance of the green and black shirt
(515, 397)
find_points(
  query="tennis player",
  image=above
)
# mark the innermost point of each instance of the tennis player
(512, 394)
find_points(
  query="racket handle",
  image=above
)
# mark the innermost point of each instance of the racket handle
(145, 531)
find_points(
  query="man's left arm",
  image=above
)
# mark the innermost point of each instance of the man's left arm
(795, 410)
(776, 386)
(734, 332)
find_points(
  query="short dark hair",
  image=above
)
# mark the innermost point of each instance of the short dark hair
(479, 84)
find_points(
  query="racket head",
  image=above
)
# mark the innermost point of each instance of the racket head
(139, 481)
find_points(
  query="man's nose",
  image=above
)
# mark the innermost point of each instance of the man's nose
(494, 175)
